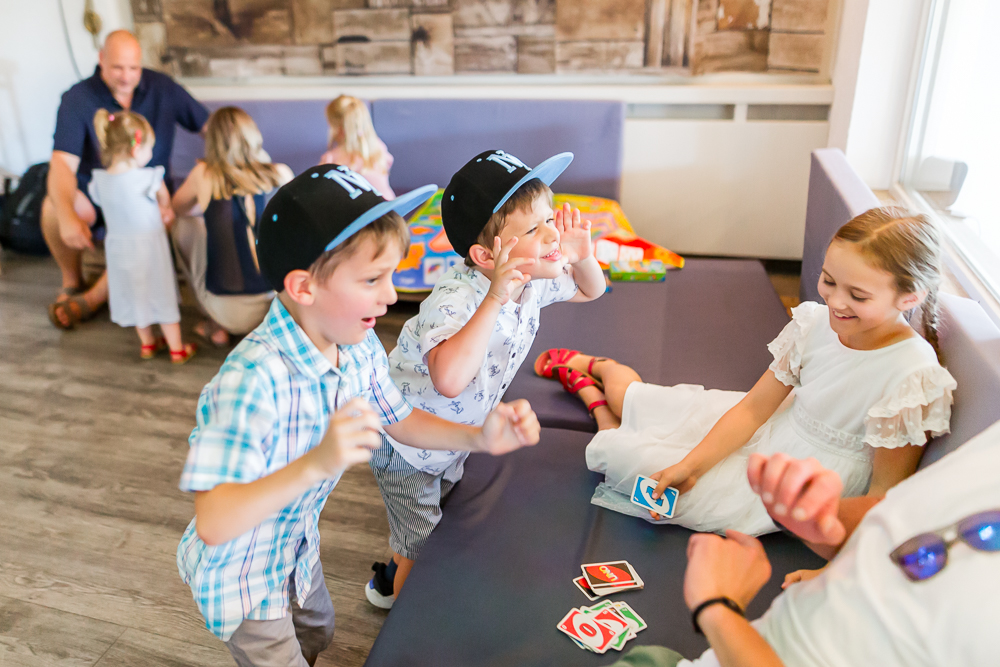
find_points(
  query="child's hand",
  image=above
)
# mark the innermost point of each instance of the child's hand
(507, 278)
(350, 439)
(574, 235)
(168, 216)
(510, 426)
(680, 476)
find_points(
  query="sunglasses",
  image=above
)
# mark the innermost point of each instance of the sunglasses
(923, 556)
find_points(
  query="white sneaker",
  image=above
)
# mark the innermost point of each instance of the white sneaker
(379, 590)
(376, 598)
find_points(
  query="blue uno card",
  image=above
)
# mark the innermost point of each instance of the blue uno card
(642, 495)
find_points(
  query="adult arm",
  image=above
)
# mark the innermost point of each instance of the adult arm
(62, 187)
(186, 199)
(510, 426)
(889, 468)
(730, 433)
(804, 497)
(191, 114)
(735, 567)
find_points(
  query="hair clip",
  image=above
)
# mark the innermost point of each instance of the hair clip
(111, 117)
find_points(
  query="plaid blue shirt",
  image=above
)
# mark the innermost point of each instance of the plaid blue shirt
(270, 403)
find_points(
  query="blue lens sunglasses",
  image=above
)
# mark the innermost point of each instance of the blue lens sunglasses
(923, 556)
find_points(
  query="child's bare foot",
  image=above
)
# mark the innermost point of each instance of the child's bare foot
(592, 366)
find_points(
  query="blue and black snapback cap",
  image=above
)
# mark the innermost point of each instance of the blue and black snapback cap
(482, 186)
(317, 211)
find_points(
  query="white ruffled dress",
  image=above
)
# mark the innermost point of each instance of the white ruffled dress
(845, 402)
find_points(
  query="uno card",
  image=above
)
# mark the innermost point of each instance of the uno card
(611, 575)
(631, 616)
(581, 583)
(583, 628)
(612, 619)
(642, 495)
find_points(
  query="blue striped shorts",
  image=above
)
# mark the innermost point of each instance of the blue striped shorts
(412, 497)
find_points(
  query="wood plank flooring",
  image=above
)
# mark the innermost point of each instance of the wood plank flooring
(92, 443)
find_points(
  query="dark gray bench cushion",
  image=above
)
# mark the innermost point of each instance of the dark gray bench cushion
(708, 323)
(836, 194)
(970, 347)
(294, 133)
(432, 139)
(496, 575)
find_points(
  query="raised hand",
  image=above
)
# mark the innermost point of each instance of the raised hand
(352, 436)
(801, 494)
(574, 234)
(507, 276)
(510, 426)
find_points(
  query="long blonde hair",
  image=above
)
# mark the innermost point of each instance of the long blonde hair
(235, 160)
(118, 132)
(350, 115)
(908, 247)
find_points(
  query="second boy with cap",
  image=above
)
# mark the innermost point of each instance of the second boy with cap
(457, 357)
(302, 398)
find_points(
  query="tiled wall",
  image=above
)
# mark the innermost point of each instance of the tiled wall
(239, 38)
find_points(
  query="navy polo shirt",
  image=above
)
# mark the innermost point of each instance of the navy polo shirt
(160, 99)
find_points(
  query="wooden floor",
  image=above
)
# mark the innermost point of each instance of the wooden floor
(92, 443)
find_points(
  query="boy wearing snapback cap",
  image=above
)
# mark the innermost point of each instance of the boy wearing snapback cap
(458, 356)
(297, 402)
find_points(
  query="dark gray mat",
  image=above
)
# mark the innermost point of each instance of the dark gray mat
(708, 323)
(495, 577)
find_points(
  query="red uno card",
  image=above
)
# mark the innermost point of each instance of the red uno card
(613, 574)
(581, 583)
(595, 636)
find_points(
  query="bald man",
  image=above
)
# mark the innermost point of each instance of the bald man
(70, 221)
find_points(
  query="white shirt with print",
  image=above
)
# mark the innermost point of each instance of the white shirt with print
(451, 304)
(862, 610)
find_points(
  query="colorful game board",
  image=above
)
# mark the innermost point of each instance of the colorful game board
(431, 254)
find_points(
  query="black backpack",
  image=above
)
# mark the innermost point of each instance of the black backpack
(21, 220)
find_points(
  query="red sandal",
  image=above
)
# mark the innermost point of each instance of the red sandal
(573, 381)
(183, 356)
(549, 362)
(147, 352)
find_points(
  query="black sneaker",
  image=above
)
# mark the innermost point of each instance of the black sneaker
(379, 589)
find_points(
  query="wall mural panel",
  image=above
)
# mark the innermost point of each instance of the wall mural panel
(245, 38)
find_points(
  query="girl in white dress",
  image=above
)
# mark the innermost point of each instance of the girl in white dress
(851, 384)
(353, 143)
(142, 290)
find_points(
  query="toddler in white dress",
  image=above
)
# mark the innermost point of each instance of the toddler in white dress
(851, 384)
(142, 290)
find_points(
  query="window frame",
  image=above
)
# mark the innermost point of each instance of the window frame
(979, 283)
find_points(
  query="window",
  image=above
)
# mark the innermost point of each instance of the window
(950, 163)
